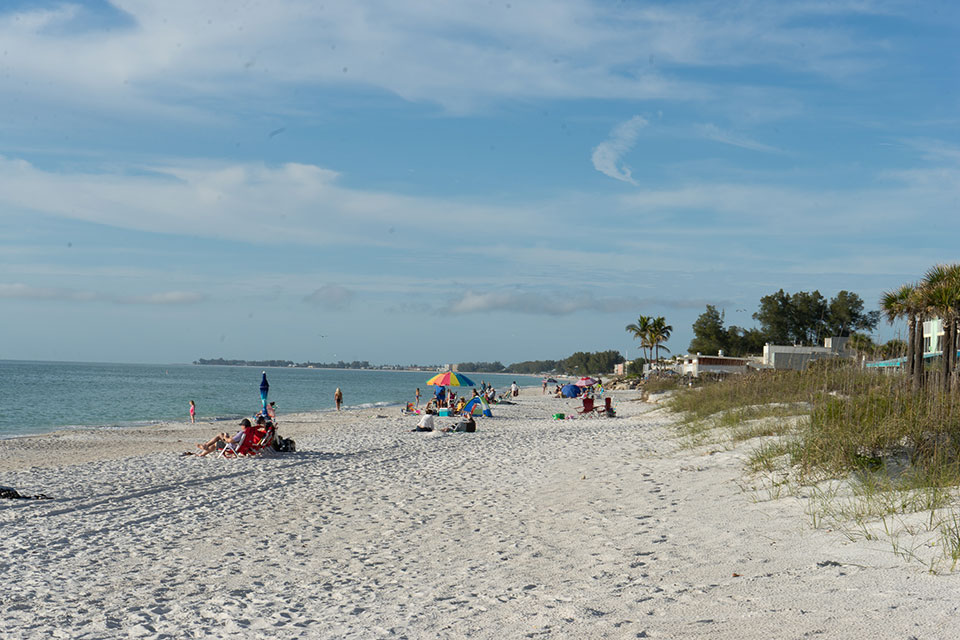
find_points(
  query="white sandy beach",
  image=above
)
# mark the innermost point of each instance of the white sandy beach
(530, 528)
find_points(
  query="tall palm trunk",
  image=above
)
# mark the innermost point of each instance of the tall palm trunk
(918, 355)
(911, 344)
(952, 355)
(945, 348)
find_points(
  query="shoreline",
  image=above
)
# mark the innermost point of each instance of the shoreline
(109, 428)
(67, 397)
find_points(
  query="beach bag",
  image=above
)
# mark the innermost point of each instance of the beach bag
(284, 445)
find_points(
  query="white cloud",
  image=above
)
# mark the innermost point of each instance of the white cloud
(459, 55)
(715, 133)
(557, 304)
(235, 201)
(607, 155)
(29, 292)
(331, 297)
(165, 298)
(23, 291)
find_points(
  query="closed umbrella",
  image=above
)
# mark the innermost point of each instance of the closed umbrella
(264, 389)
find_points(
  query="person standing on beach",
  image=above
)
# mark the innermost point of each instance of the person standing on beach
(338, 397)
(440, 396)
(514, 389)
(418, 397)
(193, 412)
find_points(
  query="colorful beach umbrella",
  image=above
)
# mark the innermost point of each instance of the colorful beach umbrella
(450, 379)
(586, 382)
(264, 389)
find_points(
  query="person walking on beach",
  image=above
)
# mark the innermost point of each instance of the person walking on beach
(193, 412)
(418, 397)
(338, 397)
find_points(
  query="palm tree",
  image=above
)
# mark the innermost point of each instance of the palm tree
(896, 304)
(941, 296)
(640, 330)
(659, 333)
(915, 304)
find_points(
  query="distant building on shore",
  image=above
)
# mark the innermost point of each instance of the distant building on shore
(932, 346)
(776, 357)
(797, 357)
(696, 365)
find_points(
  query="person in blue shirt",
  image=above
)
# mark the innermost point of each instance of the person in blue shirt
(441, 395)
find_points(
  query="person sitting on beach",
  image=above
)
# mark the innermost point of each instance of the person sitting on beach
(426, 421)
(461, 403)
(220, 440)
(272, 411)
(467, 425)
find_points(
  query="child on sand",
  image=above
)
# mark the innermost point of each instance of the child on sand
(338, 397)
(193, 412)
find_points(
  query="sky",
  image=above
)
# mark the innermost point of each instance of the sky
(431, 182)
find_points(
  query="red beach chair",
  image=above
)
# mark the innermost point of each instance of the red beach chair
(606, 409)
(587, 407)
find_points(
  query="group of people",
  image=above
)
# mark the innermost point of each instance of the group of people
(444, 398)
(594, 390)
(251, 436)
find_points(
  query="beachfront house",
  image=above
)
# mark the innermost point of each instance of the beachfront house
(932, 346)
(699, 364)
(932, 337)
(797, 357)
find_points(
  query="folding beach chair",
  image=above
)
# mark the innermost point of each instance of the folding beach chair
(232, 449)
(587, 407)
(251, 443)
(606, 409)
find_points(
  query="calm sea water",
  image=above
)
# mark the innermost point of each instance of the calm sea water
(45, 396)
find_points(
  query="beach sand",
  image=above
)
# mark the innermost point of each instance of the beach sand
(529, 528)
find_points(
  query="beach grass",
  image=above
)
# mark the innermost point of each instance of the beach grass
(893, 451)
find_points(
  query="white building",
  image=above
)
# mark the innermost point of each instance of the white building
(933, 336)
(698, 364)
(797, 357)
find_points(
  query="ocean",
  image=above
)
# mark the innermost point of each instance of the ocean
(46, 396)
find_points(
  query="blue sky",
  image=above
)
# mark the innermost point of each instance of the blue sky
(427, 182)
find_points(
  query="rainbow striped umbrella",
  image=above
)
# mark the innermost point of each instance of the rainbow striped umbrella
(450, 379)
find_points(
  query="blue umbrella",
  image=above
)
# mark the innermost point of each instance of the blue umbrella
(570, 391)
(264, 389)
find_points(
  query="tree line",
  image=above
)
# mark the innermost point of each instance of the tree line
(580, 363)
(798, 318)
